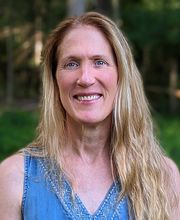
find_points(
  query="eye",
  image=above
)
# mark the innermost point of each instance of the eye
(99, 63)
(71, 65)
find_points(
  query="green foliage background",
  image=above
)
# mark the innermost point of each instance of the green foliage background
(17, 129)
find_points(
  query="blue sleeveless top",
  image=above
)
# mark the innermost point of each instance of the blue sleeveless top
(47, 198)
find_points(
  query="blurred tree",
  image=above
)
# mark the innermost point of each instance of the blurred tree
(8, 29)
(76, 7)
(116, 11)
(10, 67)
(104, 7)
(38, 8)
(22, 33)
(153, 29)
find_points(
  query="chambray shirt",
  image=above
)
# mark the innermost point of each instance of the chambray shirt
(47, 197)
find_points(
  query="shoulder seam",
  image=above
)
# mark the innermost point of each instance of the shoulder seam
(25, 184)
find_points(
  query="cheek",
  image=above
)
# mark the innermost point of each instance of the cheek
(111, 81)
(62, 86)
(63, 82)
(63, 92)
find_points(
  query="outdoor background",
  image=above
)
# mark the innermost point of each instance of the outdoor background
(152, 28)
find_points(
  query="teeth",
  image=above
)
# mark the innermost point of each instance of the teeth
(88, 98)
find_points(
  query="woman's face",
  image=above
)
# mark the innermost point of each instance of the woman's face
(86, 75)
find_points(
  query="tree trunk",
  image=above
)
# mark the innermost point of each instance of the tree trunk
(173, 78)
(10, 68)
(38, 44)
(76, 7)
(116, 11)
(37, 47)
(145, 61)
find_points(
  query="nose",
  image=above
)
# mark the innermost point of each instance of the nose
(86, 77)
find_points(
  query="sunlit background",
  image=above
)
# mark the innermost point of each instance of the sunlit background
(153, 30)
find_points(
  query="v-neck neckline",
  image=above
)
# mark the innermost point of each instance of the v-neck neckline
(111, 189)
(73, 204)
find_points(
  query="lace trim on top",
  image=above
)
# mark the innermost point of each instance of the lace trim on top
(109, 208)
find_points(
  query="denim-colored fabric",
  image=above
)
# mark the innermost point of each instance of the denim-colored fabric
(47, 197)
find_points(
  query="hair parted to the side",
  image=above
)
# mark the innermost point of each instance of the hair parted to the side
(136, 156)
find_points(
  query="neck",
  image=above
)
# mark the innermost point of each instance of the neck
(88, 142)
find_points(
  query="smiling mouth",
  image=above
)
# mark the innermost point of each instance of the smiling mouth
(87, 97)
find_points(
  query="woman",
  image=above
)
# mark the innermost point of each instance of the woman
(95, 156)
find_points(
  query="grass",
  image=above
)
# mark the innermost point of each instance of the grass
(17, 129)
(168, 134)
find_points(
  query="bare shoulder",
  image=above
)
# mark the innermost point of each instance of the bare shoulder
(11, 187)
(14, 162)
(174, 175)
(173, 171)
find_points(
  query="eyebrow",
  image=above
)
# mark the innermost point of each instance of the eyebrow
(69, 58)
(79, 57)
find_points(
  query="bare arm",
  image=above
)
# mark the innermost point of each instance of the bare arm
(11, 187)
(175, 183)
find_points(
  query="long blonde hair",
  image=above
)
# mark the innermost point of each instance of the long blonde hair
(136, 156)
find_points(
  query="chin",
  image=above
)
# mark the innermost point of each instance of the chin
(89, 120)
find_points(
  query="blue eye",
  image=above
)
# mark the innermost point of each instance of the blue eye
(99, 63)
(71, 65)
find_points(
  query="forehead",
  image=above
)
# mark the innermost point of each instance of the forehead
(84, 37)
